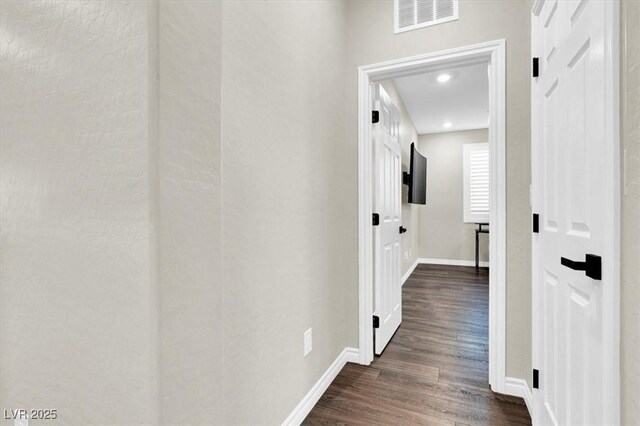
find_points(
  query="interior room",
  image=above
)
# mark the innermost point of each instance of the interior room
(230, 212)
(451, 109)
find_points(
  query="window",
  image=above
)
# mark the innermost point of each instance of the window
(475, 163)
(413, 14)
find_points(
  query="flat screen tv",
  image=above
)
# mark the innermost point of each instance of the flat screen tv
(416, 179)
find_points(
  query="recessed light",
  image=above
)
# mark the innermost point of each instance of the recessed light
(447, 124)
(443, 78)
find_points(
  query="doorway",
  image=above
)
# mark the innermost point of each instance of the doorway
(493, 54)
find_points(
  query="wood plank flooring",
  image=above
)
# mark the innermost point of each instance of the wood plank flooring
(435, 369)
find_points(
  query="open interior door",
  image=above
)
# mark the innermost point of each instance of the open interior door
(387, 204)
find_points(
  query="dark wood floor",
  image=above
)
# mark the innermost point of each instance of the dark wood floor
(434, 371)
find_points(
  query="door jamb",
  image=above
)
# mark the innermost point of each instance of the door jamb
(493, 53)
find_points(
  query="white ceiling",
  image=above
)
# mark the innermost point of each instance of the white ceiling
(463, 101)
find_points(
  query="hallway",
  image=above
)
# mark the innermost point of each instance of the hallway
(435, 369)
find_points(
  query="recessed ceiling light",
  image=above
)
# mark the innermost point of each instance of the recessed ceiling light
(443, 78)
(447, 124)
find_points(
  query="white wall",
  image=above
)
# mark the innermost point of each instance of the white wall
(274, 197)
(78, 309)
(116, 308)
(410, 240)
(190, 205)
(371, 39)
(289, 204)
(630, 131)
(443, 233)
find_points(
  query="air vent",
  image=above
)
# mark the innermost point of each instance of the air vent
(413, 14)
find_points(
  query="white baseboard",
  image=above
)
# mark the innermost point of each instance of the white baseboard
(311, 398)
(454, 262)
(519, 387)
(410, 271)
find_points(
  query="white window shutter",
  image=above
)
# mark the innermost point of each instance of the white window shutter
(476, 182)
(413, 14)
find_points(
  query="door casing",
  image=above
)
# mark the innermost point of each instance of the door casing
(492, 53)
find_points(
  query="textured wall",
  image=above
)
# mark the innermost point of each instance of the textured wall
(443, 233)
(371, 39)
(77, 304)
(630, 132)
(189, 167)
(289, 204)
(410, 212)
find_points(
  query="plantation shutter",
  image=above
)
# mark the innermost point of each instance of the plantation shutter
(476, 182)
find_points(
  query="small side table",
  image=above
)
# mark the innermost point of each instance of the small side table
(478, 232)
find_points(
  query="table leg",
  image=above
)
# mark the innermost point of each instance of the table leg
(477, 250)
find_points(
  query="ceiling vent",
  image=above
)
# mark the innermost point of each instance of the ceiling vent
(413, 14)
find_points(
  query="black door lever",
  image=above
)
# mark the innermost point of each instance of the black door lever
(592, 265)
(402, 229)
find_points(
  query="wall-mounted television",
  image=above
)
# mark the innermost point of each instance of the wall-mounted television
(416, 179)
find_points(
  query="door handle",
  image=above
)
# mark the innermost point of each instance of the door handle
(592, 265)
(402, 229)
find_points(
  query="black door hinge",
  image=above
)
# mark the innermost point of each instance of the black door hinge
(536, 223)
(376, 219)
(536, 67)
(376, 321)
(375, 116)
(536, 378)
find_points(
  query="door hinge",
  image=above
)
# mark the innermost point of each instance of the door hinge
(536, 223)
(375, 116)
(376, 219)
(376, 321)
(536, 379)
(536, 67)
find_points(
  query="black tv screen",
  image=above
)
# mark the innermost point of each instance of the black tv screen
(417, 177)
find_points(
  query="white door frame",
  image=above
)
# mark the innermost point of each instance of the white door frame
(493, 53)
(611, 307)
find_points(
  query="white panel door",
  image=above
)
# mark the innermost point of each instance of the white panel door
(573, 196)
(387, 203)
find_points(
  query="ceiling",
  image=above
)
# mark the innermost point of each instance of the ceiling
(463, 101)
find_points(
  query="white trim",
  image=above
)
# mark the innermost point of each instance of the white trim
(520, 388)
(493, 53)
(453, 262)
(365, 212)
(533, 201)
(412, 268)
(537, 7)
(497, 219)
(533, 193)
(611, 311)
(431, 261)
(309, 401)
